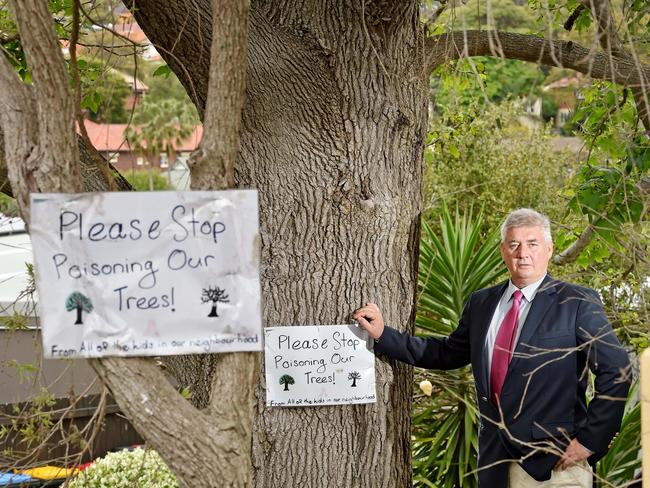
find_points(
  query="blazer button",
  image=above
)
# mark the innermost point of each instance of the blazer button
(484, 399)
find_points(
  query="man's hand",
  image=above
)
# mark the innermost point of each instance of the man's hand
(575, 452)
(371, 319)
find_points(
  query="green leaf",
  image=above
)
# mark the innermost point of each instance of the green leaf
(163, 70)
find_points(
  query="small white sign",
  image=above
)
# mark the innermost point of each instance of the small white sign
(147, 273)
(318, 365)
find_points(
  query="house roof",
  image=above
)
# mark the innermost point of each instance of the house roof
(110, 137)
(576, 81)
(134, 83)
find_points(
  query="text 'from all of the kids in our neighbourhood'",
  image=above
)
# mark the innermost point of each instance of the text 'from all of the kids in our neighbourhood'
(318, 365)
(147, 273)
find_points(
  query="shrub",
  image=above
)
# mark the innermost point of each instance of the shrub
(147, 180)
(127, 469)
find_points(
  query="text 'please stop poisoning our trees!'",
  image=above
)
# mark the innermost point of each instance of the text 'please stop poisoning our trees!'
(136, 274)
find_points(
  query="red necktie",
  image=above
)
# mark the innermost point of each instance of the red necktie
(503, 347)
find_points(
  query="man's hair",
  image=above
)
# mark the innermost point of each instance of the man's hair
(526, 217)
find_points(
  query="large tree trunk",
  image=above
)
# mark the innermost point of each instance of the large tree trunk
(332, 137)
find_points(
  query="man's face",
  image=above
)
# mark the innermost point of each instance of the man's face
(526, 254)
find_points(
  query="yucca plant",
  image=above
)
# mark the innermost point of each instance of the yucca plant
(445, 426)
(623, 460)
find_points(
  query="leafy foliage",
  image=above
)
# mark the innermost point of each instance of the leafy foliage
(159, 126)
(34, 424)
(8, 205)
(445, 426)
(125, 469)
(14, 322)
(479, 14)
(104, 93)
(484, 79)
(605, 192)
(483, 154)
(141, 180)
(623, 459)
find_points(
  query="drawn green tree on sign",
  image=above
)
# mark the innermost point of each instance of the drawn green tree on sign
(214, 295)
(353, 376)
(80, 302)
(286, 380)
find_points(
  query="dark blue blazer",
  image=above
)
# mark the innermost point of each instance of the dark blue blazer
(543, 401)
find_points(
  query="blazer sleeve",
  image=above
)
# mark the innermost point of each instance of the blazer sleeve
(609, 362)
(431, 352)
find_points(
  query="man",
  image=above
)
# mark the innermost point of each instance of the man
(531, 342)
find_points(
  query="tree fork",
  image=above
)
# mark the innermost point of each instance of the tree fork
(95, 170)
(42, 155)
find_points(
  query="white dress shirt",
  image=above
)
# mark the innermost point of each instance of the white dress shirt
(504, 305)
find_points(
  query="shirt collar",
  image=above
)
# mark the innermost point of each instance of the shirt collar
(528, 291)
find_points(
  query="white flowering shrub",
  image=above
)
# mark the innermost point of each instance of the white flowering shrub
(127, 469)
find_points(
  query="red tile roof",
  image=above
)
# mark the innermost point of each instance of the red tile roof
(110, 137)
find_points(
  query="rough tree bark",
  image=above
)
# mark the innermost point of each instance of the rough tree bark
(332, 136)
(209, 448)
(333, 133)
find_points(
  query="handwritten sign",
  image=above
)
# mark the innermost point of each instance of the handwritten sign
(147, 273)
(318, 365)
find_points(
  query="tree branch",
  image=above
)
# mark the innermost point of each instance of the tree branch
(562, 54)
(173, 426)
(571, 253)
(608, 36)
(59, 158)
(612, 44)
(97, 174)
(213, 163)
(213, 167)
(17, 115)
(568, 25)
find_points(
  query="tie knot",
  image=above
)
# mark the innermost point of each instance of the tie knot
(517, 295)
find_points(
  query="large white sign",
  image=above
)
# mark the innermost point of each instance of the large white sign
(318, 365)
(147, 273)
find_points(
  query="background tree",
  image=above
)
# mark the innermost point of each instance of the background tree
(160, 126)
(141, 180)
(104, 93)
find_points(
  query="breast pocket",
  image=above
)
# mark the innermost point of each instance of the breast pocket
(554, 339)
(553, 333)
